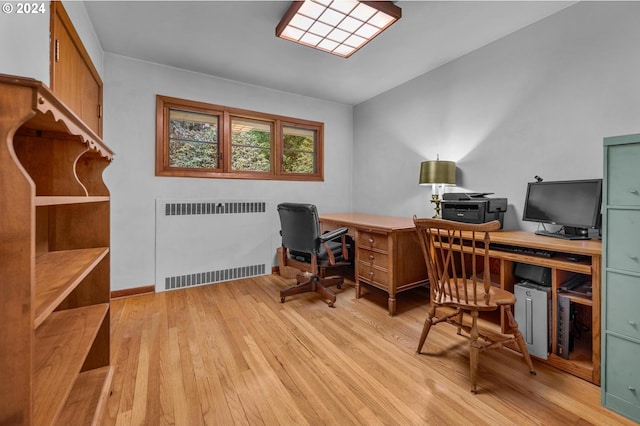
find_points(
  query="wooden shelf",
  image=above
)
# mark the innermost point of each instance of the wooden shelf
(66, 335)
(54, 315)
(553, 262)
(87, 400)
(576, 298)
(583, 267)
(46, 200)
(581, 367)
(58, 273)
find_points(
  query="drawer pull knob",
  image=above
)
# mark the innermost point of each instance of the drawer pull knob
(632, 323)
(634, 191)
(631, 388)
(371, 256)
(371, 274)
(370, 240)
(634, 258)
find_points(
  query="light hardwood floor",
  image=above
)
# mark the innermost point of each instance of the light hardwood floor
(232, 354)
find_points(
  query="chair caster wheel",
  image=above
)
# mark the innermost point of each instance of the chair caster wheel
(339, 286)
(282, 300)
(331, 304)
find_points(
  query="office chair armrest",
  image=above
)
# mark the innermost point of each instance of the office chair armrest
(332, 235)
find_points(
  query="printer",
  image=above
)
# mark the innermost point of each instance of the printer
(473, 207)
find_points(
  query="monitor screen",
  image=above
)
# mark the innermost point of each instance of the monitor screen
(572, 203)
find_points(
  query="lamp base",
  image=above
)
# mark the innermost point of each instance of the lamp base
(435, 199)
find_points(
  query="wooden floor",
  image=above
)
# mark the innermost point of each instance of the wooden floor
(232, 354)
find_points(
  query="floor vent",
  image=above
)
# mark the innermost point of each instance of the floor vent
(213, 276)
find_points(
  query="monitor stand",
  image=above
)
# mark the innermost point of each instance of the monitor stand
(563, 236)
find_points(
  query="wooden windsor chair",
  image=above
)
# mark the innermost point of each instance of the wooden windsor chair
(457, 258)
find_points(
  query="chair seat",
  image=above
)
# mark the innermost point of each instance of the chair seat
(323, 257)
(497, 297)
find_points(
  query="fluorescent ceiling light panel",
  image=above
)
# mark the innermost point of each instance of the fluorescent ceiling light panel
(340, 27)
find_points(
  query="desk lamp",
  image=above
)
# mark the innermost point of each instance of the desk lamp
(439, 174)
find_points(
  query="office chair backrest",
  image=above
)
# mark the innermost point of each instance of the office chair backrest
(299, 227)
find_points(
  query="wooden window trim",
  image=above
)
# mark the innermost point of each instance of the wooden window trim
(319, 145)
(225, 114)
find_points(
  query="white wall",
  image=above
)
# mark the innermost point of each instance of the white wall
(130, 89)
(24, 40)
(24, 44)
(537, 102)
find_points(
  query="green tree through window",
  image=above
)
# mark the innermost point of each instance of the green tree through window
(193, 140)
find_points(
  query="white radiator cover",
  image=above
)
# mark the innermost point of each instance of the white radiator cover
(208, 241)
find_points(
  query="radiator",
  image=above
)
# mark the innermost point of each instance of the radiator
(202, 242)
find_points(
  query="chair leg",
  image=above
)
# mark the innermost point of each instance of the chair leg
(306, 283)
(426, 327)
(326, 293)
(474, 352)
(459, 321)
(303, 284)
(519, 339)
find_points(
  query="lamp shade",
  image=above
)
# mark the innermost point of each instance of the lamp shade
(438, 172)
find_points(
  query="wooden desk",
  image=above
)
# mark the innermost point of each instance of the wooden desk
(584, 359)
(388, 254)
(389, 257)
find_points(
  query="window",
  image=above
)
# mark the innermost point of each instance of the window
(194, 139)
(251, 145)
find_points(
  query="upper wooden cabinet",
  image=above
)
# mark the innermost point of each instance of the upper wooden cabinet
(74, 79)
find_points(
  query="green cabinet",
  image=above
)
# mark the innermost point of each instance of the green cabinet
(620, 380)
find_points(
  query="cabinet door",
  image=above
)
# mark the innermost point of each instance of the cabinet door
(622, 387)
(622, 295)
(622, 183)
(74, 79)
(623, 233)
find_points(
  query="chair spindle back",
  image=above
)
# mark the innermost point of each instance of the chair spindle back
(455, 253)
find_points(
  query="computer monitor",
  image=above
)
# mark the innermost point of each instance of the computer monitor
(574, 204)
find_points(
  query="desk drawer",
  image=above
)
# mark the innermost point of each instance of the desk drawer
(373, 275)
(330, 226)
(623, 294)
(373, 258)
(373, 240)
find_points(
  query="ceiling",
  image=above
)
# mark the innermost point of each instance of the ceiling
(236, 40)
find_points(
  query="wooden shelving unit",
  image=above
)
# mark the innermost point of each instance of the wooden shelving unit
(584, 358)
(54, 260)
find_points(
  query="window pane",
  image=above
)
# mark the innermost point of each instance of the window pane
(250, 145)
(193, 140)
(298, 162)
(299, 150)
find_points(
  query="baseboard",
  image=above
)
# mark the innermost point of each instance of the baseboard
(137, 291)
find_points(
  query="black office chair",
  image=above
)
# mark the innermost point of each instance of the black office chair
(305, 248)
